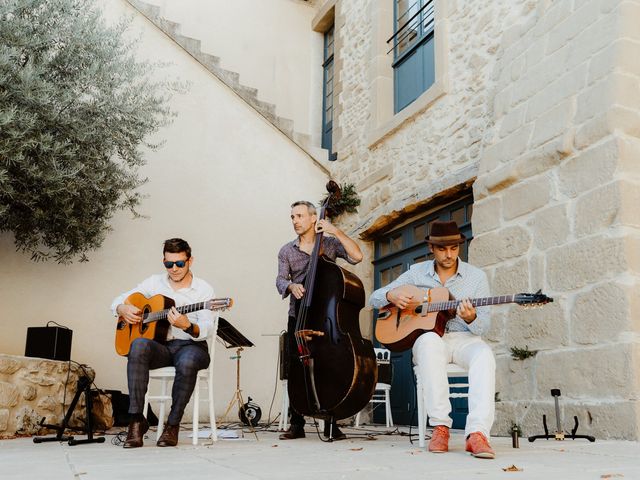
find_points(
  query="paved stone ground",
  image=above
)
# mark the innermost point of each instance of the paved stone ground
(381, 456)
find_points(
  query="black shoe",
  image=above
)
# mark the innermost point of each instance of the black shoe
(337, 434)
(295, 431)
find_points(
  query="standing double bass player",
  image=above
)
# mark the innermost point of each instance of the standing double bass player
(293, 260)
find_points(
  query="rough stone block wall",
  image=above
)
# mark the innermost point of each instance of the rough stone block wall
(433, 146)
(543, 107)
(566, 198)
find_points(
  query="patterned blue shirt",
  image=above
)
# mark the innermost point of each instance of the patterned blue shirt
(468, 282)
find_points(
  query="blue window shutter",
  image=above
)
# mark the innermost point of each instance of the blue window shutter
(413, 47)
(414, 73)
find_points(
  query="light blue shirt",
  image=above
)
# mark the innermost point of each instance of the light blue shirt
(467, 282)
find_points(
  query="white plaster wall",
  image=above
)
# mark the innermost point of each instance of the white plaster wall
(223, 180)
(269, 43)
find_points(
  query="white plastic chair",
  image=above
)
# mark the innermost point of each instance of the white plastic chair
(166, 376)
(382, 393)
(283, 424)
(453, 371)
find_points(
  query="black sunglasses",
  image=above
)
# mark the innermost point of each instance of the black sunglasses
(179, 264)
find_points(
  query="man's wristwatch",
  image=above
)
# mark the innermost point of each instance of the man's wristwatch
(189, 329)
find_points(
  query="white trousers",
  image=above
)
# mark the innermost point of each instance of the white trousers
(432, 353)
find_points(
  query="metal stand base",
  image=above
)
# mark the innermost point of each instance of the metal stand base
(237, 396)
(84, 386)
(560, 435)
(331, 424)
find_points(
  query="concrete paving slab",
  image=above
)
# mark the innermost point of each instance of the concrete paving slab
(389, 457)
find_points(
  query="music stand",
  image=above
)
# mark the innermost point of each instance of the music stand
(232, 338)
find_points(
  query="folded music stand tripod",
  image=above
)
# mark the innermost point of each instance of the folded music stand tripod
(84, 386)
(232, 338)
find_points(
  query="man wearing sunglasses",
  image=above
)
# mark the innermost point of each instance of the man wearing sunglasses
(185, 349)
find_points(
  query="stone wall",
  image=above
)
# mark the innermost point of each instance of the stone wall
(542, 106)
(557, 173)
(32, 389)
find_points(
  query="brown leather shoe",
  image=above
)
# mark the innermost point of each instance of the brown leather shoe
(169, 437)
(135, 435)
(295, 431)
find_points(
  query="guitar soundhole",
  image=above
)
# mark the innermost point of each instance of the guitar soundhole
(145, 312)
(419, 309)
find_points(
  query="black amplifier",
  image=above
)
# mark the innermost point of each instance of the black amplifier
(49, 342)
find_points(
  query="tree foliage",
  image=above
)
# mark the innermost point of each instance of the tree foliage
(75, 109)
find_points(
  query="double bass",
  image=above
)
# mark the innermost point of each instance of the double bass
(333, 372)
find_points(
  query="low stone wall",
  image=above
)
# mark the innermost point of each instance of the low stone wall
(34, 388)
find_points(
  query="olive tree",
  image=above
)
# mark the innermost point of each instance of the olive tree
(76, 105)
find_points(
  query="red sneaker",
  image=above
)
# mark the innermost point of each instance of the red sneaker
(439, 439)
(478, 446)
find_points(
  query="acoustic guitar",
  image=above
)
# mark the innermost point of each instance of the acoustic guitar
(397, 329)
(154, 323)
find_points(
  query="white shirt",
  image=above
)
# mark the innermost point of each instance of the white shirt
(199, 291)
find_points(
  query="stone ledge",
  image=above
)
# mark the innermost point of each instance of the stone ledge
(385, 217)
(33, 389)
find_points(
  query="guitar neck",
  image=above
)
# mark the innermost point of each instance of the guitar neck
(476, 302)
(162, 314)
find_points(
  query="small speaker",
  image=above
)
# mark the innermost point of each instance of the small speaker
(53, 343)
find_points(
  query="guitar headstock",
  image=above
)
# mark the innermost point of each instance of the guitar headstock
(532, 299)
(219, 303)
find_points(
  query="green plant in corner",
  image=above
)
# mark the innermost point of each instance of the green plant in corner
(349, 201)
(522, 353)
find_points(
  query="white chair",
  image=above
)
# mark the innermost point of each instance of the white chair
(382, 393)
(283, 424)
(166, 375)
(453, 371)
